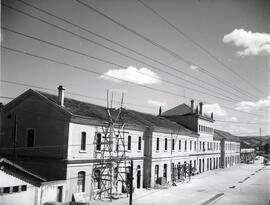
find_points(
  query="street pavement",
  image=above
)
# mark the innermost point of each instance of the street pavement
(243, 184)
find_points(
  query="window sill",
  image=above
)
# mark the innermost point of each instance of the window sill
(82, 151)
(139, 151)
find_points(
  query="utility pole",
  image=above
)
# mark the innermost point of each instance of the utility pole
(131, 182)
(260, 132)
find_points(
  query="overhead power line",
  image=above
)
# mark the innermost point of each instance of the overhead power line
(98, 73)
(70, 93)
(125, 55)
(161, 47)
(142, 106)
(118, 65)
(201, 47)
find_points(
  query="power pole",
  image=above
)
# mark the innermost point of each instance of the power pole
(260, 132)
(131, 182)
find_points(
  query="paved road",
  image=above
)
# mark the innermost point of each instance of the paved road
(242, 184)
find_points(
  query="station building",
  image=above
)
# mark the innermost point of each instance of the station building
(62, 139)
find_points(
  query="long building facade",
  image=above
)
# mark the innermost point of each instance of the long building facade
(63, 139)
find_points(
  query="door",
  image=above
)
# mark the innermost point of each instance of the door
(138, 179)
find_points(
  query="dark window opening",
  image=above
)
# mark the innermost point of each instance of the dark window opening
(24, 188)
(157, 145)
(15, 189)
(98, 142)
(172, 144)
(166, 142)
(129, 142)
(83, 141)
(6, 190)
(30, 137)
(140, 143)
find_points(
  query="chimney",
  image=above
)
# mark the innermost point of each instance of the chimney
(201, 108)
(160, 111)
(61, 95)
(192, 106)
(212, 115)
(197, 111)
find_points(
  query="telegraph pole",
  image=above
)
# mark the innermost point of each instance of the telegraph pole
(131, 182)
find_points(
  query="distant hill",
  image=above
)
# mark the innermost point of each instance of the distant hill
(254, 141)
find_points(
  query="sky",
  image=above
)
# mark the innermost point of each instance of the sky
(159, 53)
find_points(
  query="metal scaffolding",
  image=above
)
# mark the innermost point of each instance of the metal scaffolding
(110, 167)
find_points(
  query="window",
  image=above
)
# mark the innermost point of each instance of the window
(200, 145)
(195, 145)
(59, 193)
(179, 145)
(166, 144)
(157, 145)
(199, 127)
(15, 189)
(98, 142)
(140, 143)
(83, 141)
(208, 146)
(81, 181)
(24, 188)
(173, 144)
(203, 146)
(129, 142)
(6, 190)
(190, 145)
(185, 145)
(30, 137)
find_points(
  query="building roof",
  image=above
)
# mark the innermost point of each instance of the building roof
(133, 117)
(219, 135)
(19, 172)
(184, 109)
(161, 122)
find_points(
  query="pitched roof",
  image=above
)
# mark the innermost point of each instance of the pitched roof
(19, 172)
(182, 109)
(219, 134)
(160, 122)
(93, 111)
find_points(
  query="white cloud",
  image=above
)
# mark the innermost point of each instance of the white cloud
(193, 67)
(156, 103)
(252, 43)
(142, 76)
(248, 106)
(215, 108)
